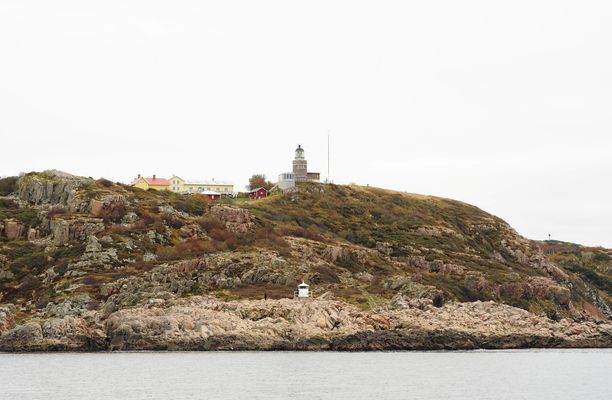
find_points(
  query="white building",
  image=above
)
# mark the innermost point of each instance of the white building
(303, 291)
(180, 185)
(286, 181)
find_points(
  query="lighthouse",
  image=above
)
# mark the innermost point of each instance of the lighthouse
(300, 165)
(303, 291)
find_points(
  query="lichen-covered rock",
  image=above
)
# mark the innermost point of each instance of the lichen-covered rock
(21, 336)
(74, 306)
(7, 317)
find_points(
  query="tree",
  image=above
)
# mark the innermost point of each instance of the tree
(259, 180)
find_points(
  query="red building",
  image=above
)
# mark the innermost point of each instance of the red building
(259, 193)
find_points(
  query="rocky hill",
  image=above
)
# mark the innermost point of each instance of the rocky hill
(92, 265)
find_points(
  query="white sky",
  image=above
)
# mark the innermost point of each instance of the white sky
(504, 105)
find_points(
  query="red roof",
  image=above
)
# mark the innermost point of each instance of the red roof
(157, 181)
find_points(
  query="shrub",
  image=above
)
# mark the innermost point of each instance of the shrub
(104, 182)
(172, 221)
(57, 210)
(266, 236)
(324, 274)
(224, 236)
(113, 213)
(29, 283)
(601, 257)
(6, 203)
(93, 305)
(148, 216)
(91, 280)
(195, 204)
(28, 216)
(29, 263)
(71, 251)
(209, 223)
(190, 248)
(8, 185)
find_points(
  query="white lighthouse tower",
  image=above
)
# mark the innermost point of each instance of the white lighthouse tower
(303, 291)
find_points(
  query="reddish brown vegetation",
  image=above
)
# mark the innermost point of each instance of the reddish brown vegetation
(190, 248)
(113, 213)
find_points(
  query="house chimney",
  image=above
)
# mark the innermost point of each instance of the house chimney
(153, 176)
(138, 176)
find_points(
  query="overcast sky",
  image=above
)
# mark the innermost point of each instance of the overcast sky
(504, 105)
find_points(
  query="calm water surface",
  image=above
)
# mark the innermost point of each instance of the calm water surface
(529, 374)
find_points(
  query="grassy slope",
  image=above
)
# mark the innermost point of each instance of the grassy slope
(593, 264)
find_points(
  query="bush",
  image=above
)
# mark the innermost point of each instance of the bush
(190, 248)
(29, 263)
(28, 216)
(195, 204)
(113, 213)
(311, 232)
(104, 182)
(223, 235)
(29, 283)
(209, 223)
(266, 236)
(6, 203)
(8, 185)
(172, 221)
(601, 257)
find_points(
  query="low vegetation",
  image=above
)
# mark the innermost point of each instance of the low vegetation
(363, 245)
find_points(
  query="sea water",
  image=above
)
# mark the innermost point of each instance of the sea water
(522, 374)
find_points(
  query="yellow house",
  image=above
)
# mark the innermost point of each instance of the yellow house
(180, 185)
(151, 183)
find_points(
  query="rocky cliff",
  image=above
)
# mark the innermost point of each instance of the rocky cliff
(93, 265)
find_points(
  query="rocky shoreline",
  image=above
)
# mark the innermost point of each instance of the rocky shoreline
(203, 323)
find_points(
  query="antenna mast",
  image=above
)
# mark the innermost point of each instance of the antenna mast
(328, 181)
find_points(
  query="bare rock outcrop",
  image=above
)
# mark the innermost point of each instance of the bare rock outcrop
(206, 323)
(65, 230)
(53, 188)
(13, 229)
(237, 220)
(65, 334)
(99, 205)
